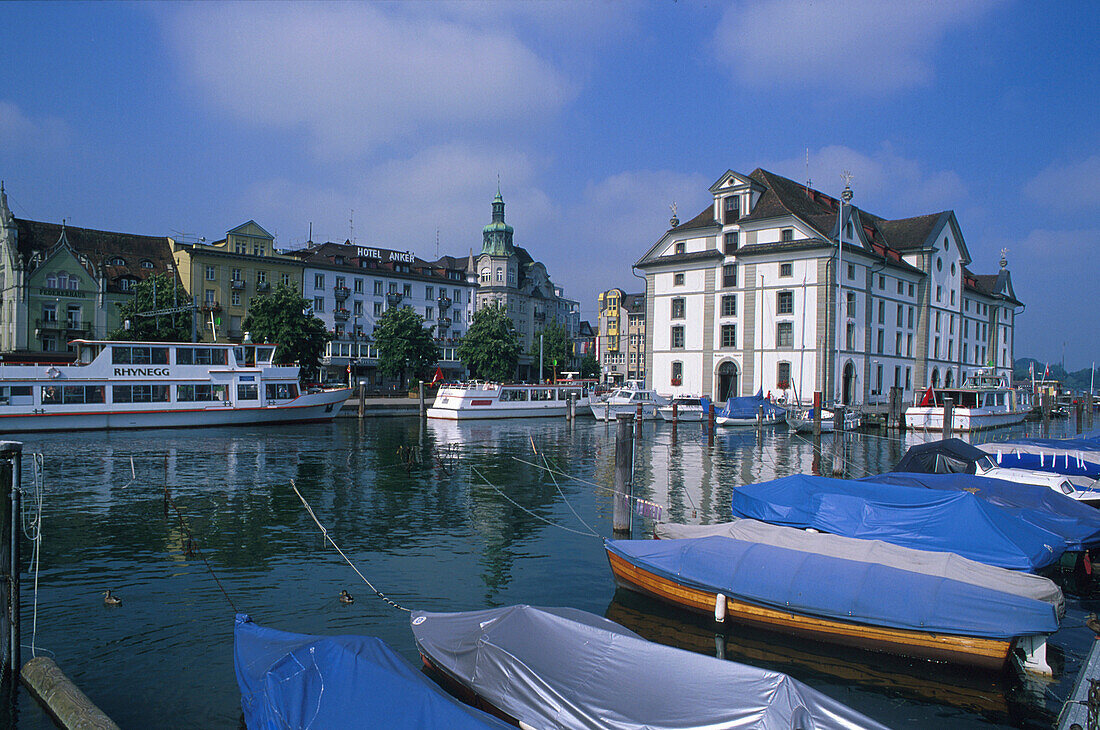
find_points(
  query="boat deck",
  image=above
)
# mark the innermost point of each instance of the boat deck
(1076, 709)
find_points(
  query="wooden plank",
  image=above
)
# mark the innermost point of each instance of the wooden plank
(1075, 710)
(991, 653)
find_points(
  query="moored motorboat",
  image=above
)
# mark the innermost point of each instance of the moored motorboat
(985, 400)
(628, 399)
(938, 606)
(1072, 457)
(292, 680)
(687, 408)
(565, 668)
(125, 384)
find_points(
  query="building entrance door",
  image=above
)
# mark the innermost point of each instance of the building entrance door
(727, 382)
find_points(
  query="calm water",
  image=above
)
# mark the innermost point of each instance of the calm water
(431, 534)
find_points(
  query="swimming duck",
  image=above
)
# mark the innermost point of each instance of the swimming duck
(109, 600)
(346, 597)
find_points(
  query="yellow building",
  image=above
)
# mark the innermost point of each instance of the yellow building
(223, 276)
(620, 336)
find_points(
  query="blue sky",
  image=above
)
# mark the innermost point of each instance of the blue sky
(391, 122)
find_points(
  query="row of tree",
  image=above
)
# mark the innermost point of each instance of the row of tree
(490, 349)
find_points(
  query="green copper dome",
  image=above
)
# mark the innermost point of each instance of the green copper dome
(497, 236)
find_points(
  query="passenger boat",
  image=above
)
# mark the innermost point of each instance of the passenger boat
(952, 522)
(937, 605)
(753, 410)
(985, 400)
(120, 384)
(688, 408)
(955, 456)
(461, 401)
(626, 400)
(292, 680)
(801, 420)
(569, 669)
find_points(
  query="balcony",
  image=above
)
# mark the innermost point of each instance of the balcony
(341, 314)
(211, 307)
(262, 286)
(444, 303)
(341, 293)
(394, 297)
(237, 284)
(444, 322)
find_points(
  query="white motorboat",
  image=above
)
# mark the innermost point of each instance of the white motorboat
(477, 400)
(121, 384)
(627, 400)
(688, 409)
(985, 400)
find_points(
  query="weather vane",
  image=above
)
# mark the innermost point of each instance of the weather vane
(1004, 258)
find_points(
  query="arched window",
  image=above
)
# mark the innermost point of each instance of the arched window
(500, 275)
(146, 264)
(62, 280)
(73, 283)
(117, 261)
(677, 372)
(935, 377)
(486, 276)
(51, 281)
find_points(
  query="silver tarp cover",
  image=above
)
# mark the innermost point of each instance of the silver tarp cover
(565, 668)
(945, 565)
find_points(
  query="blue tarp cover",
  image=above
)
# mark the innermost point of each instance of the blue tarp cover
(301, 681)
(954, 522)
(1041, 506)
(835, 588)
(749, 406)
(1073, 457)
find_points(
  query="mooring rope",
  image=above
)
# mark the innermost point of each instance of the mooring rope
(524, 509)
(347, 560)
(33, 532)
(192, 547)
(563, 497)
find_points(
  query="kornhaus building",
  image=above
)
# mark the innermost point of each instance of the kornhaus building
(351, 286)
(507, 274)
(60, 283)
(754, 293)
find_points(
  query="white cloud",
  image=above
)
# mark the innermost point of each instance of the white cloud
(1067, 187)
(17, 129)
(357, 76)
(865, 46)
(884, 182)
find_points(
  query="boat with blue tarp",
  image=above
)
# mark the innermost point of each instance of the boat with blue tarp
(914, 517)
(1072, 457)
(937, 606)
(298, 681)
(752, 410)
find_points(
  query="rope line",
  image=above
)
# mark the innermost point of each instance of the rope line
(566, 499)
(524, 509)
(193, 548)
(33, 532)
(347, 560)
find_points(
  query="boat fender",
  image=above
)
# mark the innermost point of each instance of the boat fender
(720, 608)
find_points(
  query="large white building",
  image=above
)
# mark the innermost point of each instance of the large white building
(746, 297)
(350, 286)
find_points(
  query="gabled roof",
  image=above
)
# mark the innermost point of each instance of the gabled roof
(995, 286)
(907, 234)
(250, 228)
(99, 247)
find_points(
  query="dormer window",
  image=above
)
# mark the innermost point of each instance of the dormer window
(117, 261)
(848, 229)
(681, 247)
(732, 210)
(786, 235)
(146, 264)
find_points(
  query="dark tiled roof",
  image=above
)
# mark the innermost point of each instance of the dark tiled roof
(100, 247)
(703, 220)
(906, 234)
(633, 302)
(681, 258)
(786, 197)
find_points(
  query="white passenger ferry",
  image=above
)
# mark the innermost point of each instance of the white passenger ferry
(118, 384)
(460, 401)
(985, 400)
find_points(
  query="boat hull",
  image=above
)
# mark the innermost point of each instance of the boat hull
(735, 421)
(925, 418)
(694, 415)
(606, 412)
(974, 651)
(306, 408)
(557, 410)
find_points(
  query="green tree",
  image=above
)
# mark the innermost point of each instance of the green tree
(159, 291)
(589, 367)
(284, 317)
(490, 349)
(555, 347)
(404, 344)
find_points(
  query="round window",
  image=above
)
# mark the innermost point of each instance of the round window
(952, 269)
(939, 264)
(946, 245)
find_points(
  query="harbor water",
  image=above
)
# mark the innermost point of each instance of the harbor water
(439, 516)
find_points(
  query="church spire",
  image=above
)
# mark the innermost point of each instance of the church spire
(5, 212)
(497, 236)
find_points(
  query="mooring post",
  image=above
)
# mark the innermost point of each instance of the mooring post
(1044, 408)
(817, 414)
(675, 412)
(362, 404)
(760, 417)
(10, 483)
(894, 419)
(948, 416)
(710, 425)
(815, 464)
(838, 441)
(423, 406)
(1077, 408)
(624, 467)
(1088, 407)
(638, 422)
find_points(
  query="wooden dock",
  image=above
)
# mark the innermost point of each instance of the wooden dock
(1076, 710)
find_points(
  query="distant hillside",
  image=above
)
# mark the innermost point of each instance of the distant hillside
(1077, 380)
